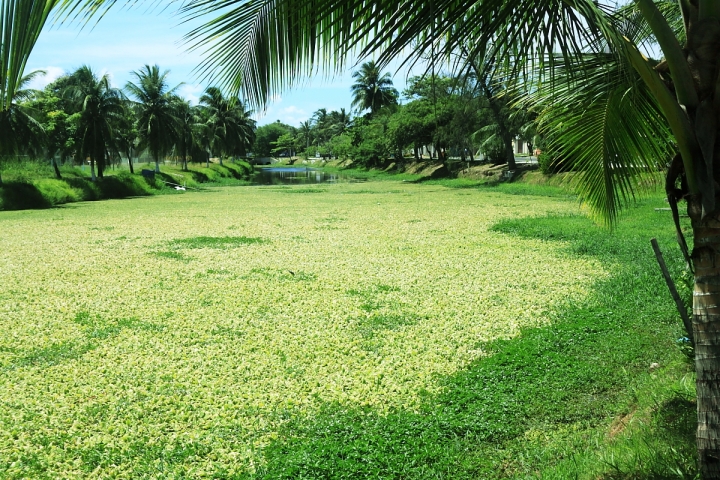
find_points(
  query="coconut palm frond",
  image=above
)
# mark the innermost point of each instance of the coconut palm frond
(22, 22)
(261, 47)
(631, 19)
(617, 142)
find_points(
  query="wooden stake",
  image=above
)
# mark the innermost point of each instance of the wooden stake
(673, 291)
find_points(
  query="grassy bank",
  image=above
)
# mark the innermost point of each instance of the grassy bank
(379, 329)
(30, 185)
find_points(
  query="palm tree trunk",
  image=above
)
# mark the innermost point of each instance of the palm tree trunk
(130, 165)
(92, 169)
(101, 165)
(509, 154)
(157, 166)
(706, 331)
(57, 170)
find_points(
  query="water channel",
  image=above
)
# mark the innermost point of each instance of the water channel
(295, 175)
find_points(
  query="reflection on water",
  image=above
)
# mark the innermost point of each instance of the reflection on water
(294, 175)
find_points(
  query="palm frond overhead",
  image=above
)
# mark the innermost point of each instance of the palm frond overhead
(261, 47)
(616, 140)
(633, 21)
(21, 22)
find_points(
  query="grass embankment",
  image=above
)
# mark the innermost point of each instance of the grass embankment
(28, 185)
(383, 329)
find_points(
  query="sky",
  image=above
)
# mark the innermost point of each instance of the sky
(126, 40)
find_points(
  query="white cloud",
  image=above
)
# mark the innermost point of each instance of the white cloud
(291, 115)
(41, 81)
(191, 92)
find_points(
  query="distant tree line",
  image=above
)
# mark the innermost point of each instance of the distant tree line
(443, 116)
(80, 117)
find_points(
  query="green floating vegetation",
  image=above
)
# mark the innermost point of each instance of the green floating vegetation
(216, 242)
(438, 334)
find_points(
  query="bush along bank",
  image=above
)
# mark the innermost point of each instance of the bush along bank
(20, 192)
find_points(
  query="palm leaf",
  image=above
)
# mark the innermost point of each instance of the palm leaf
(616, 140)
(261, 47)
(20, 24)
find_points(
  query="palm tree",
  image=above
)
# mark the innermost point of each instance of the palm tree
(305, 130)
(658, 108)
(20, 133)
(22, 22)
(155, 110)
(101, 107)
(188, 124)
(372, 90)
(340, 121)
(231, 131)
(126, 135)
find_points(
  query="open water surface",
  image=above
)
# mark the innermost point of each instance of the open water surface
(295, 175)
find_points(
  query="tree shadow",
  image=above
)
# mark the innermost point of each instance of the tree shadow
(21, 196)
(530, 399)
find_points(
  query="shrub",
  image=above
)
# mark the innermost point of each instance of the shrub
(88, 190)
(122, 185)
(21, 195)
(56, 192)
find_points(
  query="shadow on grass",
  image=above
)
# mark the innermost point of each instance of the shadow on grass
(20, 196)
(93, 330)
(535, 400)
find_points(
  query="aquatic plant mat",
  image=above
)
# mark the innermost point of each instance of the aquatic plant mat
(377, 330)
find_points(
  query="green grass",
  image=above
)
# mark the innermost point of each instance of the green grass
(538, 401)
(403, 331)
(371, 174)
(215, 242)
(32, 184)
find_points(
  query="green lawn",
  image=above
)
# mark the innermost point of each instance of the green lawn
(375, 330)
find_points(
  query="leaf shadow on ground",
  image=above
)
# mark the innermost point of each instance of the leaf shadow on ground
(93, 330)
(535, 400)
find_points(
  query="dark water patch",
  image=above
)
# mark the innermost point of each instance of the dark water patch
(297, 175)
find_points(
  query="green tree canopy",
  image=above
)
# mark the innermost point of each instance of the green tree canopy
(372, 90)
(156, 120)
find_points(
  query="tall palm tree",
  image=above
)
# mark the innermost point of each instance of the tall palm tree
(231, 131)
(306, 132)
(188, 124)
(372, 90)
(340, 121)
(155, 109)
(101, 108)
(126, 135)
(650, 102)
(320, 126)
(20, 133)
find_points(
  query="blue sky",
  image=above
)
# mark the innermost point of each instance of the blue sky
(125, 40)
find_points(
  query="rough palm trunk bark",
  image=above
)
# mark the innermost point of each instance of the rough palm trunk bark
(706, 331)
(509, 154)
(55, 167)
(101, 167)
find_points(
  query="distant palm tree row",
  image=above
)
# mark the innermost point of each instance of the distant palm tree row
(82, 117)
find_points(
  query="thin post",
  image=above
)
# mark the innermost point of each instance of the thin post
(673, 291)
